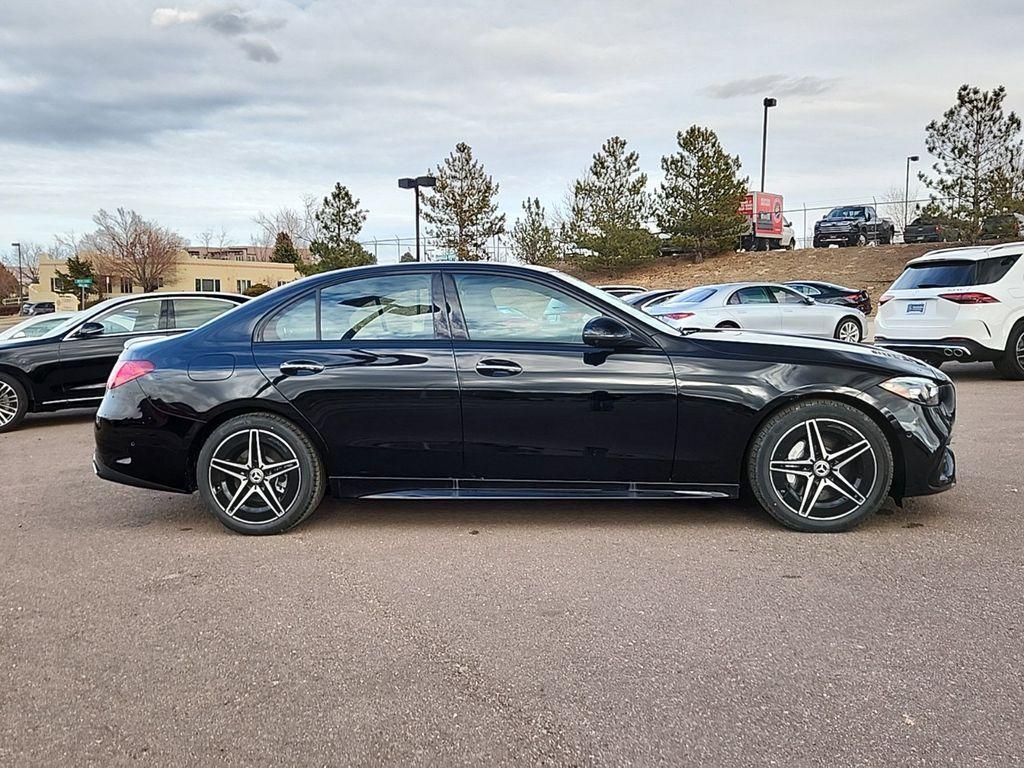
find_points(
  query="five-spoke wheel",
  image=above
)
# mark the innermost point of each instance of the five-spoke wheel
(820, 466)
(259, 473)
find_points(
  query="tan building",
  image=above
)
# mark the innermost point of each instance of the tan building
(191, 273)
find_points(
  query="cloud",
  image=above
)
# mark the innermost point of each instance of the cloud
(259, 50)
(230, 22)
(770, 85)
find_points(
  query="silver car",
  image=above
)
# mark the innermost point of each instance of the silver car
(760, 307)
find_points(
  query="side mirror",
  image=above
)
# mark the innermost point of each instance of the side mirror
(89, 331)
(607, 333)
(808, 300)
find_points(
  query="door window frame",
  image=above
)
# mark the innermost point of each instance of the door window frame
(163, 321)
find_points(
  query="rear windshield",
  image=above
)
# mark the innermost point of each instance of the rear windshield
(693, 296)
(955, 273)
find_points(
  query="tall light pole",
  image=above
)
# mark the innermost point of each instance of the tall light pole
(21, 275)
(768, 103)
(415, 184)
(906, 192)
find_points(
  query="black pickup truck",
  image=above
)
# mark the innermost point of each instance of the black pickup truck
(852, 225)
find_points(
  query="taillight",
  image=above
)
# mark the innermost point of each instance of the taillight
(855, 297)
(969, 297)
(884, 299)
(127, 371)
(678, 315)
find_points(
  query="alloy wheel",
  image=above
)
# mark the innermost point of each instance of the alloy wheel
(8, 404)
(1020, 350)
(254, 476)
(849, 331)
(823, 469)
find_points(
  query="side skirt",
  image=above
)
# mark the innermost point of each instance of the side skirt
(455, 488)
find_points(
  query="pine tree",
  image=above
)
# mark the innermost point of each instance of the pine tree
(77, 268)
(608, 211)
(284, 250)
(463, 211)
(977, 147)
(533, 240)
(698, 202)
(339, 220)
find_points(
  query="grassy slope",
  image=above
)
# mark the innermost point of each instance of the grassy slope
(870, 267)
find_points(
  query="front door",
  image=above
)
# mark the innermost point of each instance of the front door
(797, 315)
(369, 364)
(85, 363)
(754, 309)
(539, 404)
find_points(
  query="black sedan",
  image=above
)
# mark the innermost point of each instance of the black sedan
(495, 381)
(67, 367)
(830, 293)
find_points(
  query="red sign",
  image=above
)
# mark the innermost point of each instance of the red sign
(764, 210)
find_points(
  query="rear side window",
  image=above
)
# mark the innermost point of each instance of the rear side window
(372, 309)
(955, 273)
(191, 313)
(750, 296)
(693, 296)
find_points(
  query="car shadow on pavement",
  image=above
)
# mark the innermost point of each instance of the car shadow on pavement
(57, 418)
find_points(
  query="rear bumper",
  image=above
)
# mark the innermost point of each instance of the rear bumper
(949, 348)
(105, 472)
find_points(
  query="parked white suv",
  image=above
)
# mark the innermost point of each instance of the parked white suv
(963, 304)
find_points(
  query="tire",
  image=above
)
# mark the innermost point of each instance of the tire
(239, 490)
(13, 403)
(817, 243)
(1011, 364)
(848, 329)
(792, 245)
(859, 240)
(820, 493)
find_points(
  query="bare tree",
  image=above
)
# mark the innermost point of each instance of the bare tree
(898, 205)
(213, 239)
(300, 224)
(27, 262)
(131, 247)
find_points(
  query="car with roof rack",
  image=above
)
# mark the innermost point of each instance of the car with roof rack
(961, 305)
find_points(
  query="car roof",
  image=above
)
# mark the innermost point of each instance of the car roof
(970, 253)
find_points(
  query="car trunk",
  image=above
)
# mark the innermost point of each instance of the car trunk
(920, 308)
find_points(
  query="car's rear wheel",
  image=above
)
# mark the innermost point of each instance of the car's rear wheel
(260, 474)
(13, 403)
(820, 466)
(848, 329)
(860, 239)
(1011, 364)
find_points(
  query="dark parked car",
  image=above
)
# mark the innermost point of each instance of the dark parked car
(496, 381)
(33, 308)
(852, 225)
(830, 293)
(621, 291)
(649, 299)
(67, 367)
(922, 230)
(1005, 226)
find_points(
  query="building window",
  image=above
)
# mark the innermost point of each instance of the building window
(243, 285)
(207, 285)
(126, 285)
(53, 284)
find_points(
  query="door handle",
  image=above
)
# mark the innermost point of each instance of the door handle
(300, 368)
(498, 368)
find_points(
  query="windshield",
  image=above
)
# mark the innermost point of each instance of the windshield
(693, 296)
(955, 273)
(633, 312)
(846, 213)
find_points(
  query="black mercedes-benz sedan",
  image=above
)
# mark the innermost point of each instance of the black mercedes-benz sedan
(486, 380)
(67, 367)
(830, 293)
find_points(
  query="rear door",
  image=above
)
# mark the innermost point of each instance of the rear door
(754, 308)
(85, 363)
(368, 361)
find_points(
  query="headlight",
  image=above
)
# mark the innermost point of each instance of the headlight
(913, 388)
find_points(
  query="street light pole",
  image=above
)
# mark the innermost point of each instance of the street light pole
(414, 185)
(768, 103)
(21, 276)
(906, 192)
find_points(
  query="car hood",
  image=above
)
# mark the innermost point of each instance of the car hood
(19, 344)
(806, 349)
(838, 221)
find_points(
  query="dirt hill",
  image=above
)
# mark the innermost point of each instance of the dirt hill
(871, 267)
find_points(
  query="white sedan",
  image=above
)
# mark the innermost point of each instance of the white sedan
(760, 307)
(34, 326)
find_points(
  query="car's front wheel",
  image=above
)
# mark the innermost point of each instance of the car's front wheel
(820, 466)
(848, 329)
(13, 403)
(1011, 364)
(260, 474)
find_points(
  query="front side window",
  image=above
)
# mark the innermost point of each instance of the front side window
(137, 317)
(191, 313)
(390, 307)
(501, 308)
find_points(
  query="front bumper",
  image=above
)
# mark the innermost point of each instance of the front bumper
(953, 348)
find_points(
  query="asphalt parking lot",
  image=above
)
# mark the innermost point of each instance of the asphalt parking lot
(135, 629)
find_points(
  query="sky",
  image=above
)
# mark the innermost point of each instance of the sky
(200, 115)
